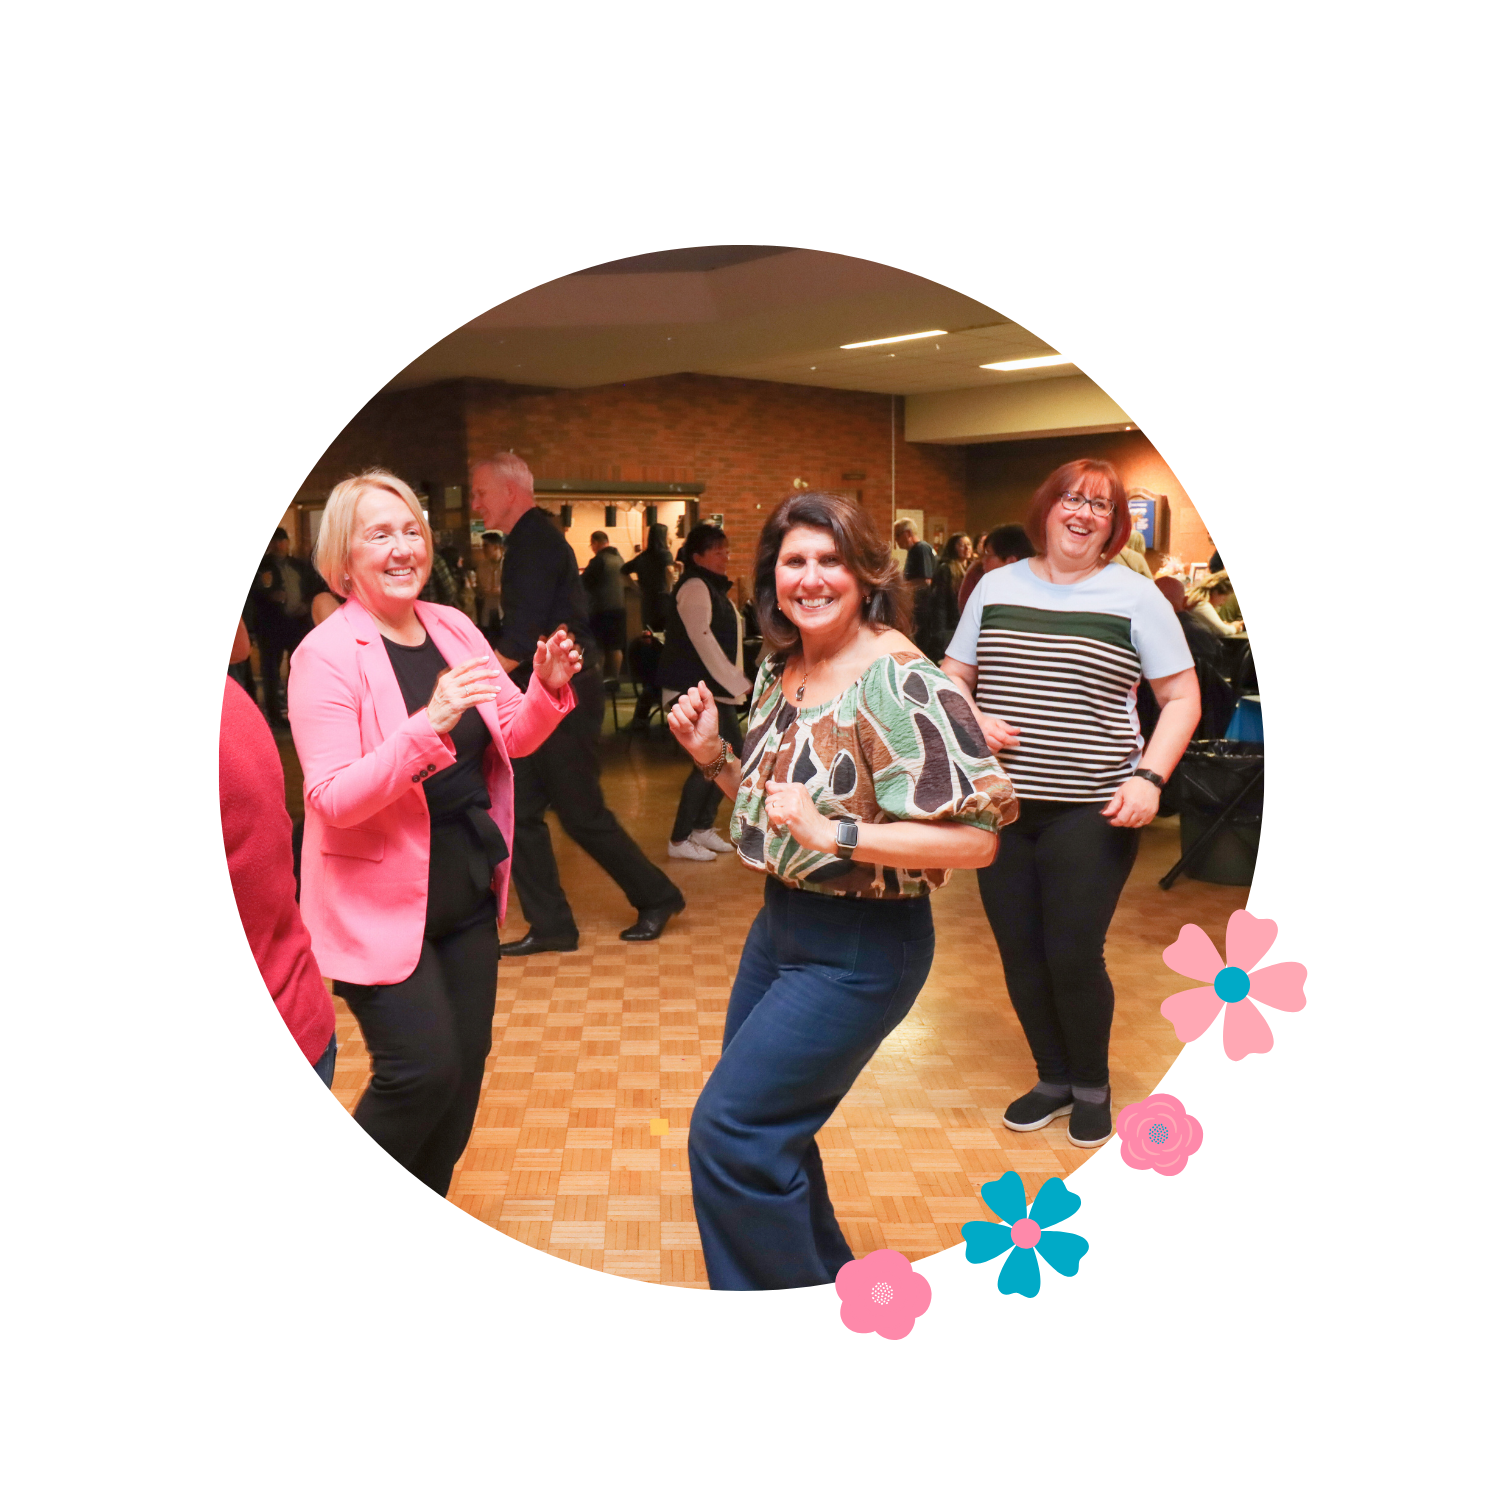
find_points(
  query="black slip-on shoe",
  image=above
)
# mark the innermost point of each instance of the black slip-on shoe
(1032, 1111)
(1091, 1125)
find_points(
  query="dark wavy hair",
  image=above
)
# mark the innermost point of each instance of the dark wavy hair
(861, 549)
(703, 536)
(1059, 482)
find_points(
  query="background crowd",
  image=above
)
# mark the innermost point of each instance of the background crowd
(1049, 680)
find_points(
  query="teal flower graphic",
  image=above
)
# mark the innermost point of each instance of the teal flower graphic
(1023, 1237)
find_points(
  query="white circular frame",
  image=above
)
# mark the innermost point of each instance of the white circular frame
(374, 378)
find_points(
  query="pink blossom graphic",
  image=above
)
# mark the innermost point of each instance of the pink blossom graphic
(882, 1294)
(1158, 1134)
(1232, 986)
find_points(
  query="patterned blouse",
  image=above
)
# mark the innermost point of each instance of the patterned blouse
(900, 744)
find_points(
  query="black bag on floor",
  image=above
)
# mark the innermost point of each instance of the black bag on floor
(1210, 777)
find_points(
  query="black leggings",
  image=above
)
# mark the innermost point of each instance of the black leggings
(428, 1036)
(698, 805)
(1050, 896)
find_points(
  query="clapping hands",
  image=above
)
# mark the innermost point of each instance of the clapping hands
(461, 688)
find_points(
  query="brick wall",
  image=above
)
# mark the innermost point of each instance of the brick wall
(418, 434)
(745, 441)
(1003, 476)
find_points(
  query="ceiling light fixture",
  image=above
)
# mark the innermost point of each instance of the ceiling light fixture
(1036, 363)
(897, 338)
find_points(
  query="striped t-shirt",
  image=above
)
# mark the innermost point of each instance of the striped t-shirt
(1060, 664)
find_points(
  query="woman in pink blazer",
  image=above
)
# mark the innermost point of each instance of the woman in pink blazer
(405, 726)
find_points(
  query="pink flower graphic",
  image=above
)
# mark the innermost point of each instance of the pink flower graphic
(1235, 984)
(1159, 1134)
(882, 1294)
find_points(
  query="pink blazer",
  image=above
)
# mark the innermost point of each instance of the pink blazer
(364, 760)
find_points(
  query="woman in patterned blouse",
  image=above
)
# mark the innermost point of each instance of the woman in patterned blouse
(864, 780)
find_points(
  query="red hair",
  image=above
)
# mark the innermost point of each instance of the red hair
(1066, 481)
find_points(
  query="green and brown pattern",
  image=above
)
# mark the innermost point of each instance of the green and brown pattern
(899, 744)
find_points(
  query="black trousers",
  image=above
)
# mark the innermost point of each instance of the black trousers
(428, 1036)
(699, 804)
(563, 774)
(274, 648)
(1050, 896)
(242, 674)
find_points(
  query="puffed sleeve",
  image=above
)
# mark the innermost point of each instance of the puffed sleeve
(925, 752)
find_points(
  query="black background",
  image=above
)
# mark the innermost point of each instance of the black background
(303, 1236)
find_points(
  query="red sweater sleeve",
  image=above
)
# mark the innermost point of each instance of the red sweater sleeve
(258, 846)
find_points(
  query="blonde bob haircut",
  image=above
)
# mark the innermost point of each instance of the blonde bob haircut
(336, 533)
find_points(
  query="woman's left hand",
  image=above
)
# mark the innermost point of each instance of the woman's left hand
(789, 807)
(557, 661)
(1134, 804)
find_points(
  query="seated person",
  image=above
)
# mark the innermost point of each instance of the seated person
(1215, 697)
(1206, 598)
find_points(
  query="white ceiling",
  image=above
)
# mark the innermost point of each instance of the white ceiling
(759, 312)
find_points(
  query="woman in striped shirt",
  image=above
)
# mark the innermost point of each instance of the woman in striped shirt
(1053, 648)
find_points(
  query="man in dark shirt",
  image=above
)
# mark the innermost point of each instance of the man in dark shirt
(921, 560)
(281, 599)
(606, 595)
(539, 590)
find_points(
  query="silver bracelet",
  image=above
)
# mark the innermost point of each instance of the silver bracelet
(715, 769)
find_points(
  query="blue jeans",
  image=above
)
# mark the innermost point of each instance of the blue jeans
(325, 1064)
(822, 982)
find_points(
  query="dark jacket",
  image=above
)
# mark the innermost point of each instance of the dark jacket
(602, 582)
(272, 618)
(649, 569)
(935, 611)
(681, 667)
(540, 590)
(1216, 700)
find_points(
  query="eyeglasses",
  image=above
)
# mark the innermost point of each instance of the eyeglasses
(1100, 508)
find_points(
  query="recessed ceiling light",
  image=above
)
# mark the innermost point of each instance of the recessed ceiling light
(1036, 363)
(898, 338)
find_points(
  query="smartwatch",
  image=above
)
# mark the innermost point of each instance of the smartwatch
(846, 835)
(1151, 776)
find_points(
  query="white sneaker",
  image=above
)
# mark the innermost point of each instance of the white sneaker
(687, 849)
(708, 838)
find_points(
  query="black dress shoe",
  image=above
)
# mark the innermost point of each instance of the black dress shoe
(652, 922)
(531, 943)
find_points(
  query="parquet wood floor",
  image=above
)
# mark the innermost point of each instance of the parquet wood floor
(592, 1047)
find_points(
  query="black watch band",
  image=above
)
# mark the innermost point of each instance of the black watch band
(846, 835)
(1157, 781)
